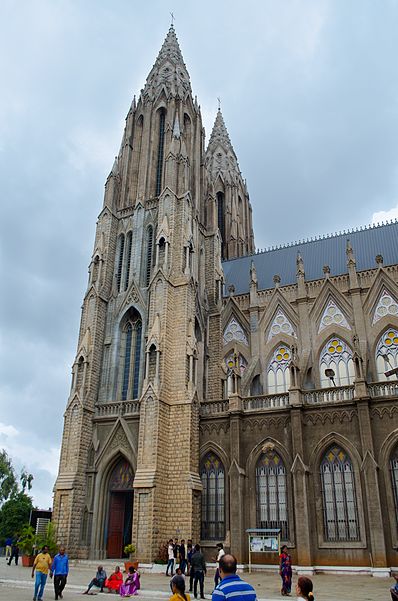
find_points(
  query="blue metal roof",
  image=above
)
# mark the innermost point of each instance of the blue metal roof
(366, 244)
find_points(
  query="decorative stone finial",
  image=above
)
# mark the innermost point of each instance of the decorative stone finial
(300, 265)
(277, 280)
(253, 274)
(326, 270)
(379, 260)
(350, 254)
(231, 290)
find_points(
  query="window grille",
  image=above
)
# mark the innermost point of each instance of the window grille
(339, 497)
(128, 259)
(213, 498)
(149, 255)
(394, 479)
(387, 353)
(271, 489)
(336, 355)
(120, 261)
(278, 374)
(159, 167)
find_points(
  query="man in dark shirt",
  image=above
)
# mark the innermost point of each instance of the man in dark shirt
(198, 565)
(183, 560)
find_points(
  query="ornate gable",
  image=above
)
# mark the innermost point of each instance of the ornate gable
(281, 325)
(234, 331)
(333, 315)
(387, 305)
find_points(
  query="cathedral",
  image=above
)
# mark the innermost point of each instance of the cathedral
(218, 389)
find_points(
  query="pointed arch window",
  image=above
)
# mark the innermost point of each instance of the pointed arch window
(149, 250)
(120, 261)
(278, 373)
(159, 166)
(271, 493)
(129, 244)
(340, 509)
(212, 474)
(131, 356)
(234, 331)
(336, 355)
(394, 478)
(387, 353)
(281, 325)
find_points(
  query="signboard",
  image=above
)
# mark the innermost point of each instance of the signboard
(263, 540)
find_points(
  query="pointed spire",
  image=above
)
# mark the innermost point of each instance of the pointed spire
(219, 133)
(176, 128)
(169, 71)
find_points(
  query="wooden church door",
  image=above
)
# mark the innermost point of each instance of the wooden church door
(120, 509)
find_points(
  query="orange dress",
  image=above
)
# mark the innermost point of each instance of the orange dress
(114, 581)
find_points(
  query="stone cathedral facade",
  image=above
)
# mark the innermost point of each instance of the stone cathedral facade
(217, 389)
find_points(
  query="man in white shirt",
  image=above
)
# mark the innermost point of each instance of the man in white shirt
(221, 552)
(170, 555)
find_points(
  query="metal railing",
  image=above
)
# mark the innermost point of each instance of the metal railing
(268, 401)
(329, 395)
(380, 389)
(117, 409)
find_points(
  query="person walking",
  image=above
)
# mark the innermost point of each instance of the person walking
(304, 588)
(42, 565)
(220, 553)
(8, 547)
(60, 571)
(178, 588)
(198, 565)
(98, 581)
(14, 553)
(232, 587)
(285, 571)
(176, 551)
(170, 558)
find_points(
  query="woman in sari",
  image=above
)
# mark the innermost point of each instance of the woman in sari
(115, 580)
(285, 571)
(131, 584)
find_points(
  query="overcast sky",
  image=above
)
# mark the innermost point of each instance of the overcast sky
(309, 93)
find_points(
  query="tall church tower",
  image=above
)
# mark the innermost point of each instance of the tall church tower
(129, 468)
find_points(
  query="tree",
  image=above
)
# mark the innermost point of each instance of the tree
(14, 514)
(26, 480)
(8, 480)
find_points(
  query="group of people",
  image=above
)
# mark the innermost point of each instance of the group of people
(191, 562)
(115, 583)
(57, 568)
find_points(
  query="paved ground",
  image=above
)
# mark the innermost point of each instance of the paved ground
(16, 585)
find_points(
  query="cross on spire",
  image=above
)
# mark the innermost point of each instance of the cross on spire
(172, 19)
(219, 103)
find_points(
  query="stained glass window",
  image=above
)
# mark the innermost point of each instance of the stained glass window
(281, 325)
(213, 498)
(394, 479)
(278, 374)
(336, 355)
(149, 244)
(271, 493)
(220, 216)
(234, 331)
(387, 353)
(122, 476)
(333, 315)
(387, 305)
(339, 497)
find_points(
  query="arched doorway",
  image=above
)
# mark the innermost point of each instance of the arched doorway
(120, 512)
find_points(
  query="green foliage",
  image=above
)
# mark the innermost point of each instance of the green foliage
(26, 480)
(14, 513)
(49, 539)
(129, 549)
(27, 540)
(8, 481)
